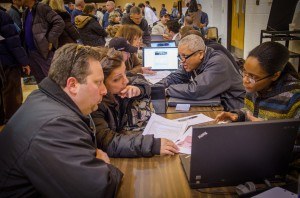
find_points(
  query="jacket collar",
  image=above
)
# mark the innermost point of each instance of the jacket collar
(16, 9)
(54, 91)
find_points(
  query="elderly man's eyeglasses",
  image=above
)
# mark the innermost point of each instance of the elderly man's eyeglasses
(185, 57)
(252, 79)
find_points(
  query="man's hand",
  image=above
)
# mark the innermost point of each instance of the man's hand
(167, 37)
(224, 116)
(147, 70)
(26, 69)
(130, 92)
(102, 155)
(167, 147)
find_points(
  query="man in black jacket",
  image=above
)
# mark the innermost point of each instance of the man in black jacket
(48, 148)
(135, 17)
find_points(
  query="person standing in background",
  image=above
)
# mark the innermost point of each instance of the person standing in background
(79, 5)
(15, 13)
(163, 10)
(70, 33)
(13, 59)
(42, 28)
(203, 19)
(149, 14)
(110, 7)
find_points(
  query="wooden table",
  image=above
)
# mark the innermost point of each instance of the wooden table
(160, 176)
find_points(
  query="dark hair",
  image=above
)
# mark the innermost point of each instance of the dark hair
(88, 8)
(185, 30)
(111, 61)
(273, 57)
(141, 5)
(135, 10)
(173, 26)
(72, 60)
(193, 7)
(163, 5)
(147, 2)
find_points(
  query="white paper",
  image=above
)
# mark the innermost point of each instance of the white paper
(165, 128)
(195, 119)
(185, 142)
(156, 77)
(182, 107)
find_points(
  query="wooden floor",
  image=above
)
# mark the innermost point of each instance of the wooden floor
(27, 89)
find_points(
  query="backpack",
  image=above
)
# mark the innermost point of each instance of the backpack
(138, 114)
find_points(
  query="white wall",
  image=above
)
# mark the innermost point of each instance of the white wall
(217, 16)
(256, 19)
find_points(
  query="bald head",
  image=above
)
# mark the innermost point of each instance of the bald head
(193, 43)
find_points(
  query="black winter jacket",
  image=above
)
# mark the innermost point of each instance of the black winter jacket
(143, 26)
(47, 26)
(70, 33)
(12, 54)
(90, 30)
(48, 149)
(110, 120)
(216, 76)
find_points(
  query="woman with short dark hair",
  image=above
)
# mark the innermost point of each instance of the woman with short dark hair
(272, 85)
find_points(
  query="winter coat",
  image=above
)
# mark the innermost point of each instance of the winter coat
(70, 33)
(281, 101)
(216, 76)
(110, 120)
(47, 26)
(48, 149)
(12, 54)
(90, 30)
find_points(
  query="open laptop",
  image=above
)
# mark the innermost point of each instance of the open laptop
(161, 58)
(214, 102)
(235, 153)
(162, 44)
(157, 37)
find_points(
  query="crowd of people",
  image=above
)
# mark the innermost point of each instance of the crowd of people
(85, 61)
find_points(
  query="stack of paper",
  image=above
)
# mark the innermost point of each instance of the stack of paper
(156, 77)
(175, 130)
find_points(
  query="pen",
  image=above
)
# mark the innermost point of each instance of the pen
(185, 119)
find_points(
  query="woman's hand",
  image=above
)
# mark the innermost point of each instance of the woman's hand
(225, 116)
(130, 91)
(167, 147)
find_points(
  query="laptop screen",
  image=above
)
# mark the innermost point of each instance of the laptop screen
(157, 37)
(163, 44)
(161, 58)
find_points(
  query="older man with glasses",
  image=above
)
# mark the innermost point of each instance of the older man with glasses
(204, 73)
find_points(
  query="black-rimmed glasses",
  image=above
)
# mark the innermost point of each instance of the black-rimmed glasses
(183, 58)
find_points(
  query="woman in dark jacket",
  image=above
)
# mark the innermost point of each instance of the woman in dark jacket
(111, 116)
(70, 34)
(90, 30)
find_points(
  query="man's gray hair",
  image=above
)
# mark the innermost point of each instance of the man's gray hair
(193, 42)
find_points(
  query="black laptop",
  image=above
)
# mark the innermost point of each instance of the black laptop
(231, 154)
(162, 44)
(213, 102)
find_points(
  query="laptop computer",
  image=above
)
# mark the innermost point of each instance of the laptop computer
(161, 58)
(162, 44)
(157, 37)
(235, 153)
(158, 99)
(214, 102)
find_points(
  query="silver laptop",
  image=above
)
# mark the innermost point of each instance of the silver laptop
(157, 37)
(161, 58)
(235, 153)
(213, 102)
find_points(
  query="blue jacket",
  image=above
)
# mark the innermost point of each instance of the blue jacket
(12, 54)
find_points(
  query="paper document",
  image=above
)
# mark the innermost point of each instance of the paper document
(165, 128)
(195, 119)
(185, 142)
(156, 77)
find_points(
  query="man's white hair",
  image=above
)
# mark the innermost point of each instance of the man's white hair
(193, 42)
